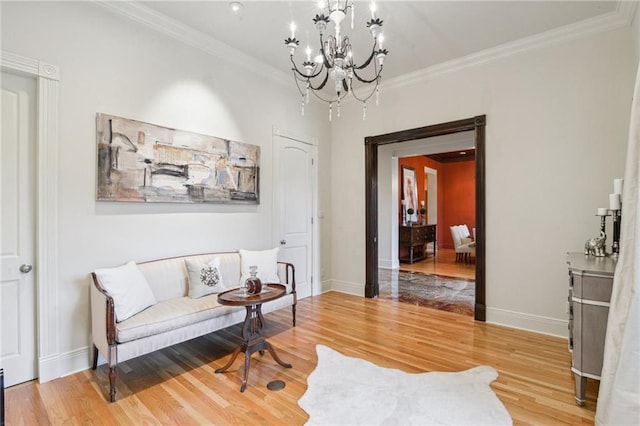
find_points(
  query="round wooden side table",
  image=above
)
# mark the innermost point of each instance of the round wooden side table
(253, 324)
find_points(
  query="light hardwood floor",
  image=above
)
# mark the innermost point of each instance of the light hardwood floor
(444, 264)
(178, 385)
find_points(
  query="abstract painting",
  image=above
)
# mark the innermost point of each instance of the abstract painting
(149, 163)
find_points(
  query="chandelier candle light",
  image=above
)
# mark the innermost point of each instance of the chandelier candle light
(335, 58)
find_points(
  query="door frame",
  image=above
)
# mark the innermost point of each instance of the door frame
(47, 78)
(316, 285)
(476, 124)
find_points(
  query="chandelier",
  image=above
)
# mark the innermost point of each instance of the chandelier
(335, 59)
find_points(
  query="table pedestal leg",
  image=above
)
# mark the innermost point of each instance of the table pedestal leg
(253, 342)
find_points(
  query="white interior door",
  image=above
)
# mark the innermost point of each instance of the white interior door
(294, 202)
(17, 235)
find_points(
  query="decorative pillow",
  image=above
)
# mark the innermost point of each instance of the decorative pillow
(265, 260)
(128, 288)
(204, 278)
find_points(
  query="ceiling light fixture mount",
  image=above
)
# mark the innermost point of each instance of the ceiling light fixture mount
(335, 58)
(235, 6)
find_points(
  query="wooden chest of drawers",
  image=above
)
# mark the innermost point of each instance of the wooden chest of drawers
(415, 238)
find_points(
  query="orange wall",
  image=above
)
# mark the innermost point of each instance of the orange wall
(418, 164)
(459, 207)
(456, 194)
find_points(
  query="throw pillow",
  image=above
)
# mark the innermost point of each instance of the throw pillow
(204, 278)
(128, 288)
(265, 260)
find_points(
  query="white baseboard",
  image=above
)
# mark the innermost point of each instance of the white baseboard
(388, 264)
(325, 286)
(303, 290)
(522, 321)
(356, 289)
(64, 364)
(48, 368)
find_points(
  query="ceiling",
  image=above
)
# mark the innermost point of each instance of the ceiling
(454, 156)
(418, 34)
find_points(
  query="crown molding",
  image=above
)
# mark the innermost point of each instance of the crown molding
(623, 16)
(137, 12)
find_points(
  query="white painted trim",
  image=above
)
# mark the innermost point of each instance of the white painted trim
(326, 286)
(307, 139)
(47, 76)
(356, 289)
(68, 363)
(621, 17)
(161, 23)
(135, 11)
(522, 321)
(388, 264)
(303, 291)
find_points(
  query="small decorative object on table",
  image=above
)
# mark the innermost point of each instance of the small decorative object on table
(410, 212)
(253, 284)
(615, 206)
(596, 246)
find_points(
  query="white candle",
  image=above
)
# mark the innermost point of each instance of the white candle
(617, 186)
(380, 40)
(373, 11)
(602, 211)
(292, 27)
(403, 202)
(422, 203)
(614, 201)
(308, 51)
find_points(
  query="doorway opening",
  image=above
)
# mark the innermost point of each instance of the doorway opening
(476, 125)
(432, 268)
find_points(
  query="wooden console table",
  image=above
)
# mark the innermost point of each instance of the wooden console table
(416, 238)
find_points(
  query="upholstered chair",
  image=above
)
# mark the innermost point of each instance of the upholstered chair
(462, 242)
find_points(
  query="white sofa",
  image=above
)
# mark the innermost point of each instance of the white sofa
(174, 317)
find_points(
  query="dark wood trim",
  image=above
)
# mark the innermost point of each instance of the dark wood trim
(371, 288)
(480, 311)
(476, 124)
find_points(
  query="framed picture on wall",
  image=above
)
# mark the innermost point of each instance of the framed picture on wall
(410, 192)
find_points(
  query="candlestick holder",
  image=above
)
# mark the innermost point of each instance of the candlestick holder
(617, 219)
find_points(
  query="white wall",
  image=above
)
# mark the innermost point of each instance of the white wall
(112, 65)
(557, 123)
(635, 32)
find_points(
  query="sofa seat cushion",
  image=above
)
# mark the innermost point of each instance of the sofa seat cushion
(170, 315)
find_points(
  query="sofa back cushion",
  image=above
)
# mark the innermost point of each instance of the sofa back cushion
(204, 278)
(168, 278)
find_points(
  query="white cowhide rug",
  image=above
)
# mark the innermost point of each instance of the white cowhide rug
(351, 391)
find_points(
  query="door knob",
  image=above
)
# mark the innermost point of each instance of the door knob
(283, 242)
(25, 269)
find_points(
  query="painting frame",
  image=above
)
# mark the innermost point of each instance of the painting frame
(144, 162)
(410, 193)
